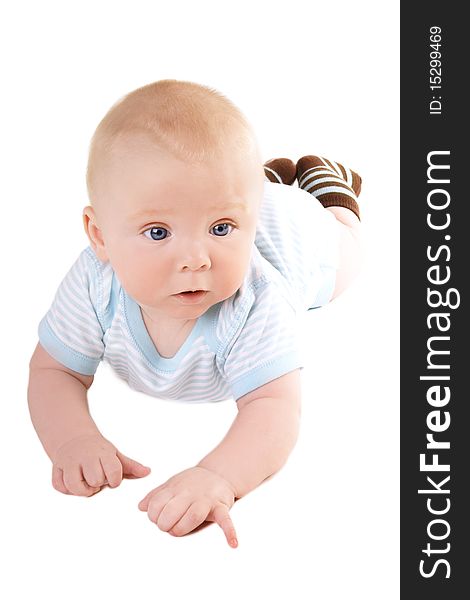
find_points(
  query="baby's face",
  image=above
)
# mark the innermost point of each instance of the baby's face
(169, 227)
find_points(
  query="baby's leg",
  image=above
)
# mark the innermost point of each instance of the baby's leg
(337, 188)
(350, 248)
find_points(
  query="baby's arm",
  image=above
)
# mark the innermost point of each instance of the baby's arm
(262, 436)
(255, 447)
(57, 399)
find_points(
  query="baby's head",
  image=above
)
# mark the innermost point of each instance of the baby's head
(175, 181)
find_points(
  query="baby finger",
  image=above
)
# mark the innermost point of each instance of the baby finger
(222, 518)
(192, 518)
(75, 482)
(112, 469)
(171, 513)
(156, 505)
(93, 473)
(58, 480)
(144, 503)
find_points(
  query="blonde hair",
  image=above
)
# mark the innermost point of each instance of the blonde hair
(190, 121)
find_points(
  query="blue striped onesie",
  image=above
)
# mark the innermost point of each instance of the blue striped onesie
(238, 344)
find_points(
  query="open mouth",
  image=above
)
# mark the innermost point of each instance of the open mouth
(191, 296)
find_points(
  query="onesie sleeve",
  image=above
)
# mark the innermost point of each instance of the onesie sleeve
(71, 331)
(264, 345)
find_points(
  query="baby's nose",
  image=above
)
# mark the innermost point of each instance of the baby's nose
(195, 266)
(195, 260)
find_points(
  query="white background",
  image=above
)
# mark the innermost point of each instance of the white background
(313, 78)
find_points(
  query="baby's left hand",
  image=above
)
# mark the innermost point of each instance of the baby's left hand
(188, 499)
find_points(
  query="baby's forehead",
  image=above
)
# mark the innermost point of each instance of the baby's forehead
(148, 175)
(189, 207)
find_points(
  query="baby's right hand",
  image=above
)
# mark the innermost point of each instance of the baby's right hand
(84, 464)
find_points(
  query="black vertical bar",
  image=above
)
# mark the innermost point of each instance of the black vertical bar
(435, 259)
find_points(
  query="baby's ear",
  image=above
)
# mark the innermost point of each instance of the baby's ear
(94, 233)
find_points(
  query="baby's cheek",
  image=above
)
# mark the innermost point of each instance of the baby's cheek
(140, 276)
(148, 286)
(232, 275)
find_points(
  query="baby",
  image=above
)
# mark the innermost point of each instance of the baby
(200, 262)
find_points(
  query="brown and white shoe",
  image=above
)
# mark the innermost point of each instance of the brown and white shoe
(330, 182)
(280, 170)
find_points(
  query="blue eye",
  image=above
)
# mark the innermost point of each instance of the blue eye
(156, 233)
(222, 229)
